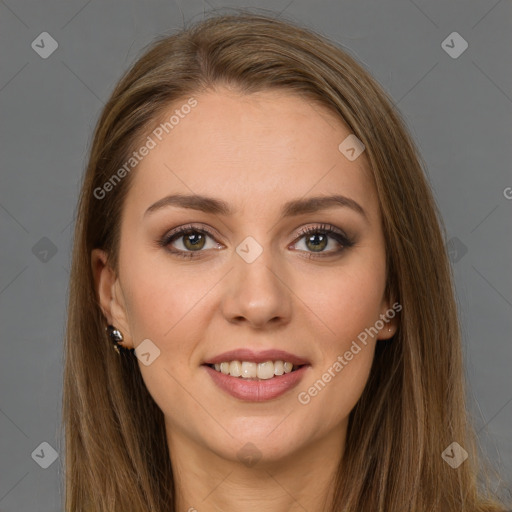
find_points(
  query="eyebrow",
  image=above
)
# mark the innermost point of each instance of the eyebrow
(292, 208)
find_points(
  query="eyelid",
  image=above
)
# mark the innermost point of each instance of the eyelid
(181, 230)
(329, 228)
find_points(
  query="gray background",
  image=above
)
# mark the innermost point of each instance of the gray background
(459, 110)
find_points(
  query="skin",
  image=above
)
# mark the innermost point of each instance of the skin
(255, 152)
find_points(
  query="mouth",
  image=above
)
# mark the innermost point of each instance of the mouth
(266, 384)
(256, 376)
(251, 371)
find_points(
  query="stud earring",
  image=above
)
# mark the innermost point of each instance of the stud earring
(116, 337)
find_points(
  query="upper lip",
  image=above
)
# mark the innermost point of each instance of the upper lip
(246, 354)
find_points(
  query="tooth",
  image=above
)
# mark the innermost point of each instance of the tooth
(249, 370)
(235, 368)
(279, 368)
(265, 370)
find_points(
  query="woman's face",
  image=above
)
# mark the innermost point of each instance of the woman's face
(254, 281)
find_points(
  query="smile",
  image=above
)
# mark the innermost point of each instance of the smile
(251, 370)
(248, 386)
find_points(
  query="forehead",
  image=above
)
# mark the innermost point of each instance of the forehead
(263, 148)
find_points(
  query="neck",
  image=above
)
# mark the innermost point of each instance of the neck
(206, 481)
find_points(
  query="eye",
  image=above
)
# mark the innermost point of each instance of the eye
(315, 239)
(187, 240)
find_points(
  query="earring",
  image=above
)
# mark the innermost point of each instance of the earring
(116, 337)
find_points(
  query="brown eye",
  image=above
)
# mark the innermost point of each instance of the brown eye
(316, 242)
(193, 240)
(189, 241)
(318, 238)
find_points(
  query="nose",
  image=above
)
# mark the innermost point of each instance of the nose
(257, 294)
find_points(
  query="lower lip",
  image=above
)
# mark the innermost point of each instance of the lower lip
(257, 390)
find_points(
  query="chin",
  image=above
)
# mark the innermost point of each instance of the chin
(262, 443)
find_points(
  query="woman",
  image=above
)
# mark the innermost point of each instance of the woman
(261, 309)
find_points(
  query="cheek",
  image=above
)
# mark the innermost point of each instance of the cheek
(346, 300)
(335, 389)
(168, 306)
(161, 297)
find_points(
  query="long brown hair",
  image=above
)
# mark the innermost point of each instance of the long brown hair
(413, 405)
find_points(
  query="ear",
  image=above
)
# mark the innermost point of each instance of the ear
(110, 295)
(389, 316)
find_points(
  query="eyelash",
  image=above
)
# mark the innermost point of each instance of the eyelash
(324, 229)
